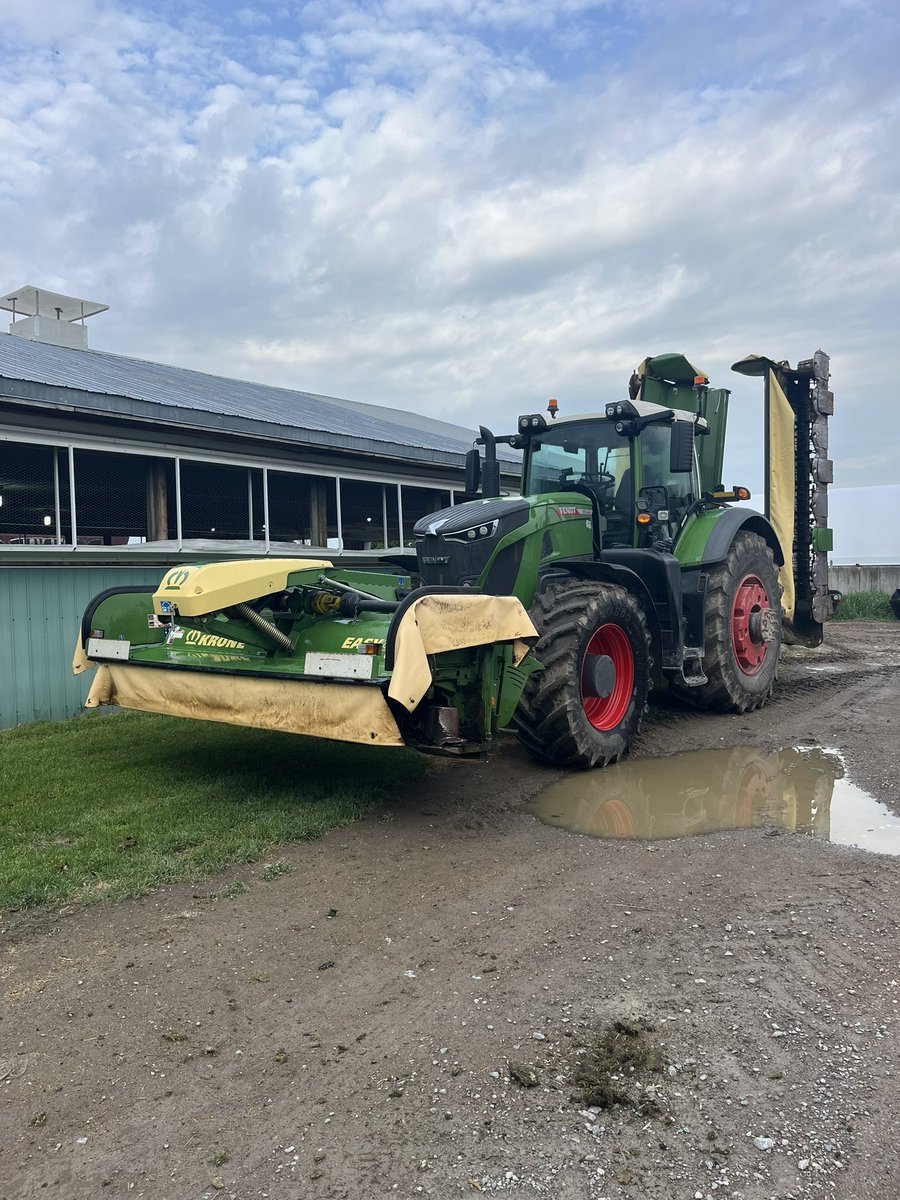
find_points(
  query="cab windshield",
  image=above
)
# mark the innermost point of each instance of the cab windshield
(589, 452)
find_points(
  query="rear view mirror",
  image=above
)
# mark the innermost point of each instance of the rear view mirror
(681, 455)
(473, 472)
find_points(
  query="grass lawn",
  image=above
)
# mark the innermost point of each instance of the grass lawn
(865, 606)
(112, 806)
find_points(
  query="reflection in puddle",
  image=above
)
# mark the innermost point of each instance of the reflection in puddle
(703, 791)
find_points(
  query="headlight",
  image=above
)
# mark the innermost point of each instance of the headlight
(476, 533)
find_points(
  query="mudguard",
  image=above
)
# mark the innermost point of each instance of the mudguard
(728, 525)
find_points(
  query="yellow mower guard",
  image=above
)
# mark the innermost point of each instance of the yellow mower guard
(343, 712)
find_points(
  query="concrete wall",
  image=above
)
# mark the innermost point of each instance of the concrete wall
(865, 579)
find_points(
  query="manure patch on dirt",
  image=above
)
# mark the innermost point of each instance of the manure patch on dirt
(619, 1066)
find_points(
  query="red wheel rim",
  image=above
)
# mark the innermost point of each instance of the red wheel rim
(606, 712)
(750, 649)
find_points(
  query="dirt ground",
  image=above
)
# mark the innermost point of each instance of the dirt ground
(440, 1000)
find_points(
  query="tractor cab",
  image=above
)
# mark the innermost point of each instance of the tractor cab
(636, 463)
(616, 481)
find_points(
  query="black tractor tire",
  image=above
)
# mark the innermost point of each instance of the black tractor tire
(739, 663)
(594, 638)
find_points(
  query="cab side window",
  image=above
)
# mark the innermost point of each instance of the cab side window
(679, 488)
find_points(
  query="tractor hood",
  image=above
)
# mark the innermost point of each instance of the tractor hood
(455, 545)
(461, 518)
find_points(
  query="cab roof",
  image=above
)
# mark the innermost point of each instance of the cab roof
(642, 407)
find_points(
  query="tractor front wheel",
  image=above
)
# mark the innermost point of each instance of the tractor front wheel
(586, 705)
(743, 629)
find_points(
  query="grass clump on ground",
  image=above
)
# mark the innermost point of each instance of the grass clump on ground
(865, 606)
(112, 806)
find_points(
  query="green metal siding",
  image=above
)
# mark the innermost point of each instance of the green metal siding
(40, 614)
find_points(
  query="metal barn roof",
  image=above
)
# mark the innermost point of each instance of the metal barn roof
(93, 381)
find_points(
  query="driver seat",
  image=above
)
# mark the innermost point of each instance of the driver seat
(622, 500)
(618, 518)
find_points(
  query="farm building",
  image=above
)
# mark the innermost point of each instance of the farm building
(111, 468)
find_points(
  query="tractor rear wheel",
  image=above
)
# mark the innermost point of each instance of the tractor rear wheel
(743, 629)
(587, 704)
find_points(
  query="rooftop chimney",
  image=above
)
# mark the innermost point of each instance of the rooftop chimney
(44, 316)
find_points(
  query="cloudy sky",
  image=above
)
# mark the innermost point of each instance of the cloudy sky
(465, 206)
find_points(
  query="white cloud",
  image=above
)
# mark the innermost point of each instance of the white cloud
(464, 207)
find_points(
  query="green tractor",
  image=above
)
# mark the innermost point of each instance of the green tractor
(623, 564)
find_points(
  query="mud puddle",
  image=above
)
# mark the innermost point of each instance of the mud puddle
(799, 790)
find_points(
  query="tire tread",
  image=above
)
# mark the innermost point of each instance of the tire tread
(550, 720)
(725, 689)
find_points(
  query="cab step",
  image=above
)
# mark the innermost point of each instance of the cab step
(692, 673)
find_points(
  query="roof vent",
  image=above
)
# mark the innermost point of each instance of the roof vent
(43, 316)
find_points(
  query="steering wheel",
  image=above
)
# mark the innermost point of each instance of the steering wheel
(607, 481)
(604, 482)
